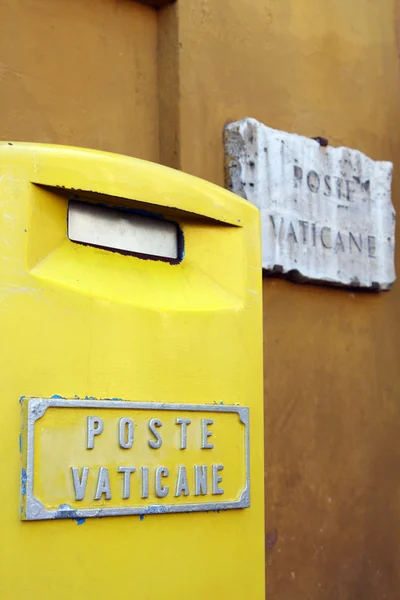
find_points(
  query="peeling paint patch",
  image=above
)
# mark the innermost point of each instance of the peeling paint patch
(80, 521)
(24, 479)
(271, 540)
(20, 442)
(65, 511)
(155, 510)
(12, 289)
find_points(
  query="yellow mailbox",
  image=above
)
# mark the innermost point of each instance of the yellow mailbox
(131, 412)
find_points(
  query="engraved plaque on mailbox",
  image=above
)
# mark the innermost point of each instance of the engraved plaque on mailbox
(99, 458)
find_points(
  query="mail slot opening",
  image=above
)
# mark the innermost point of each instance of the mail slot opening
(145, 236)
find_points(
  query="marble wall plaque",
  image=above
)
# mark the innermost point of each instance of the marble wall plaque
(327, 214)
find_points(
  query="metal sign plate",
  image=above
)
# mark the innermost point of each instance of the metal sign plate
(99, 458)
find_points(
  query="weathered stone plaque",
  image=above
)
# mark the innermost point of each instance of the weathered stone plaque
(327, 214)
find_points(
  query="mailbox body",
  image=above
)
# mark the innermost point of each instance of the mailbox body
(84, 326)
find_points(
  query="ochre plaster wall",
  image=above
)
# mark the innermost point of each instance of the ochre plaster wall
(80, 72)
(332, 376)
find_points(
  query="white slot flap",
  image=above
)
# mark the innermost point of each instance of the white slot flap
(122, 231)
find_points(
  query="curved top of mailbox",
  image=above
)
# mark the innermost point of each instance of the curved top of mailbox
(122, 176)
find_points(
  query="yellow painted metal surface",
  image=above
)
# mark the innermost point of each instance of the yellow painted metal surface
(85, 323)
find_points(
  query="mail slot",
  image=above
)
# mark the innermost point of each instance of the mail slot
(132, 410)
(122, 231)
